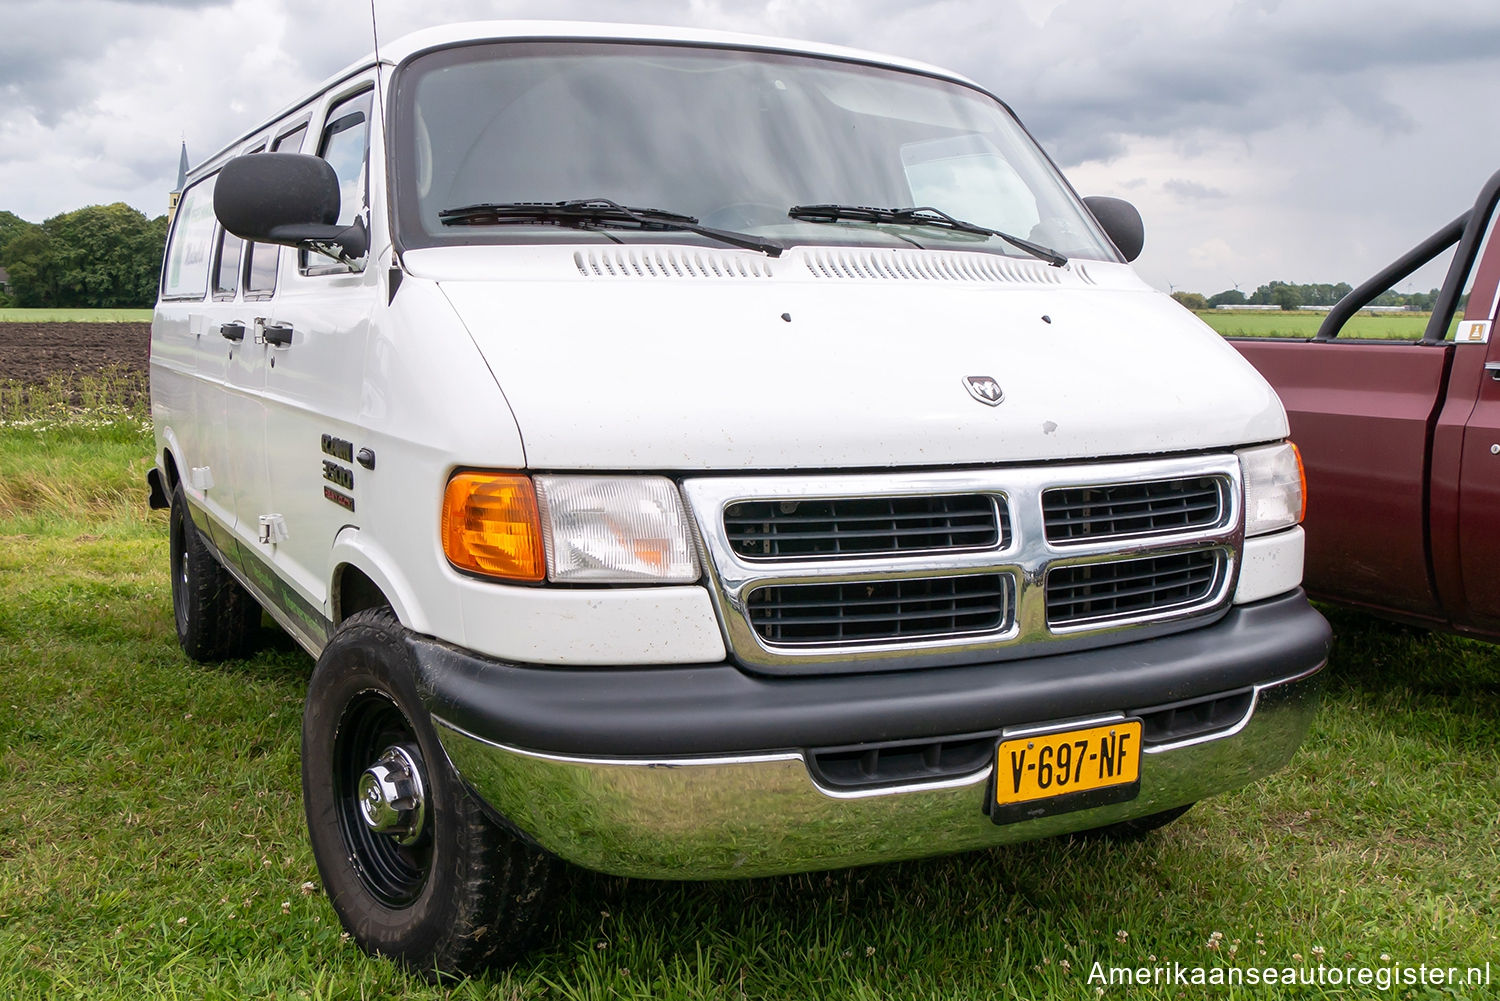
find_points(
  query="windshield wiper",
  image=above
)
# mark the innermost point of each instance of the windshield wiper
(920, 216)
(589, 213)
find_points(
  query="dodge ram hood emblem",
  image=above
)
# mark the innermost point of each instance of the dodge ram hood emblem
(984, 389)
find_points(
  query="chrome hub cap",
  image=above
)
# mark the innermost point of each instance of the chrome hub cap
(391, 798)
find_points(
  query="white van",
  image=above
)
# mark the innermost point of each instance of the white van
(700, 456)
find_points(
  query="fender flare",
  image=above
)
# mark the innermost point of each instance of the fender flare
(354, 548)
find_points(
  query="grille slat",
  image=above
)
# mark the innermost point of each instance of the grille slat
(1156, 586)
(978, 517)
(852, 620)
(777, 606)
(1084, 511)
(810, 614)
(1100, 591)
(863, 526)
(1130, 510)
(889, 533)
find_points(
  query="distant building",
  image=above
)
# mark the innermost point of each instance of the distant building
(4, 281)
(176, 194)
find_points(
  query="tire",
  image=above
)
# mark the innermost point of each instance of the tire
(1140, 827)
(445, 891)
(216, 618)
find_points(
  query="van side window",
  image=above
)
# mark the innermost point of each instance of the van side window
(185, 273)
(260, 264)
(227, 268)
(292, 141)
(345, 144)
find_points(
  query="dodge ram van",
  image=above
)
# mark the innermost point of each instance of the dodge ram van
(700, 456)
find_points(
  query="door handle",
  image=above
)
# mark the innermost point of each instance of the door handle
(232, 331)
(279, 334)
(1493, 368)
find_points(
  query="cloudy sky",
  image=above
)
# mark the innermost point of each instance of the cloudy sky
(1304, 140)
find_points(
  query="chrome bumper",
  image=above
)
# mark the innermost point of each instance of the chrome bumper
(762, 814)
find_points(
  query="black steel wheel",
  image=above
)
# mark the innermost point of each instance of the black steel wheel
(415, 869)
(393, 868)
(216, 618)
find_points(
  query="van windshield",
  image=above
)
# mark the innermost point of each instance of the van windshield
(732, 139)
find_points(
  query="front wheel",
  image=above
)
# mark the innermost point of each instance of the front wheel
(414, 868)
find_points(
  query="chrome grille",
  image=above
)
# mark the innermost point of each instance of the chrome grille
(832, 572)
(863, 526)
(1133, 510)
(872, 610)
(1097, 592)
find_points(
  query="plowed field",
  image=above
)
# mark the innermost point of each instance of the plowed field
(31, 352)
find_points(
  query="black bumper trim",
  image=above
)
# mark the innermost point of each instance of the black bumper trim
(717, 709)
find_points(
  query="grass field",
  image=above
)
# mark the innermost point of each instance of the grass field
(16, 315)
(151, 840)
(1279, 323)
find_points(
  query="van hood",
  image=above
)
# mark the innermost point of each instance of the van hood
(745, 363)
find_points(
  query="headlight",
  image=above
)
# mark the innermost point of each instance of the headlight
(1275, 488)
(618, 529)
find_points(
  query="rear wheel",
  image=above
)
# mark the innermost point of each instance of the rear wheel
(216, 618)
(414, 868)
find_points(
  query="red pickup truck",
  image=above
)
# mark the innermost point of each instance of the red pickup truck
(1401, 443)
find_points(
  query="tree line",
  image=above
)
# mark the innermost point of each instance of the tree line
(1289, 295)
(102, 257)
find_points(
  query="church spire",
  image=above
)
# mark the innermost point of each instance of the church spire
(176, 193)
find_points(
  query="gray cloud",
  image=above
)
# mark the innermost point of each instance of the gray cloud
(55, 58)
(1192, 190)
(1154, 70)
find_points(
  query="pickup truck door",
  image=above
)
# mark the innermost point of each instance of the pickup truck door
(1478, 541)
(1403, 512)
(1361, 412)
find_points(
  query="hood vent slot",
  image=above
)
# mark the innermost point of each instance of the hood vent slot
(669, 262)
(928, 265)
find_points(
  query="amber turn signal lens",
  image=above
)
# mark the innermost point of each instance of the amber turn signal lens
(1301, 475)
(491, 526)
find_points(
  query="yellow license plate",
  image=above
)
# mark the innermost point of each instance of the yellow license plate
(1040, 774)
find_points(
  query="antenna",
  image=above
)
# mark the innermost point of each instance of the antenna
(375, 37)
(375, 32)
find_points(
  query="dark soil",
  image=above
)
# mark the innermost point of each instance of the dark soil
(31, 352)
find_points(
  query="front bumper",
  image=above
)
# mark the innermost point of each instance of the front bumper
(702, 773)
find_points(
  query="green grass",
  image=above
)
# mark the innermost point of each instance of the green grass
(16, 314)
(151, 839)
(111, 395)
(1280, 323)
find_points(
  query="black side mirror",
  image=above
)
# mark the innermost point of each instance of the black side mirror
(1121, 222)
(286, 198)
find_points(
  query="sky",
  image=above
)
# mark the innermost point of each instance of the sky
(1304, 141)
